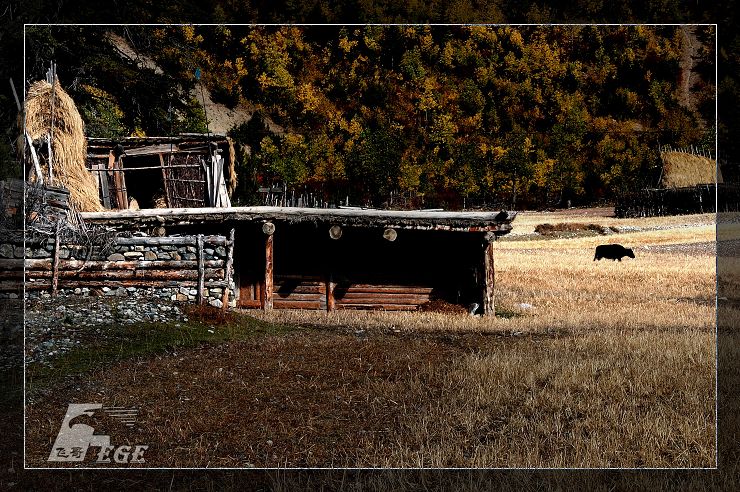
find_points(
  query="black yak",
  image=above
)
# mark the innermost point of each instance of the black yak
(613, 252)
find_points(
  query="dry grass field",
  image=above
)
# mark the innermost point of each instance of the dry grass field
(589, 364)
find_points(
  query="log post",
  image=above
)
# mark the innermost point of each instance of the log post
(228, 270)
(331, 303)
(165, 180)
(201, 270)
(489, 277)
(267, 292)
(390, 234)
(335, 232)
(55, 264)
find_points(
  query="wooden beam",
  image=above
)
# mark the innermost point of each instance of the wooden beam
(331, 302)
(167, 200)
(229, 269)
(268, 228)
(335, 232)
(390, 234)
(489, 280)
(55, 265)
(201, 270)
(269, 286)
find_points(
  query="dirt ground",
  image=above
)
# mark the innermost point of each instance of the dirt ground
(591, 364)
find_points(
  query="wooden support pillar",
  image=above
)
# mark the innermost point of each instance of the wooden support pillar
(331, 302)
(267, 292)
(165, 181)
(229, 270)
(55, 264)
(201, 270)
(489, 277)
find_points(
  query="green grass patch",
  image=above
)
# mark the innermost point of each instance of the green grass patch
(117, 342)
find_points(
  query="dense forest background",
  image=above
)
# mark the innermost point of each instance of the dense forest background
(406, 116)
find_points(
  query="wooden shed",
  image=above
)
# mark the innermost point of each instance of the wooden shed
(188, 170)
(332, 259)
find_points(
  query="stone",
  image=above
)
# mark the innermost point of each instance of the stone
(12, 295)
(150, 256)
(138, 248)
(133, 254)
(175, 256)
(220, 251)
(189, 256)
(193, 292)
(131, 289)
(163, 256)
(64, 253)
(78, 291)
(41, 253)
(216, 303)
(184, 291)
(106, 289)
(191, 249)
(181, 297)
(116, 257)
(18, 252)
(216, 291)
(121, 292)
(174, 297)
(208, 251)
(6, 250)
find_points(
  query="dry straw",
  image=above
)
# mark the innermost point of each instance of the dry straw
(681, 169)
(69, 144)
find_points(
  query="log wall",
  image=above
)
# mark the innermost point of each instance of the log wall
(165, 267)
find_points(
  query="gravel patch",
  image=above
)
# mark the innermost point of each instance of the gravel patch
(56, 326)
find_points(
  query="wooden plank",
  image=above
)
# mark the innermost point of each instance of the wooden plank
(251, 304)
(201, 270)
(170, 241)
(167, 199)
(122, 183)
(46, 264)
(55, 262)
(490, 281)
(229, 268)
(103, 183)
(383, 300)
(152, 150)
(285, 304)
(35, 158)
(378, 307)
(296, 297)
(268, 283)
(376, 289)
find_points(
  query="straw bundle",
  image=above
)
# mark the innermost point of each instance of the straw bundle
(681, 169)
(69, 146)
(231, 183)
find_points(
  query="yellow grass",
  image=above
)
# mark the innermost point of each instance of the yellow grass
(682, 169)
(613, 365)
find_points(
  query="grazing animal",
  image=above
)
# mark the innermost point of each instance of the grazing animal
(613, 252)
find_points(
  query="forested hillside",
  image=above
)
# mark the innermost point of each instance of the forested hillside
(407, 116)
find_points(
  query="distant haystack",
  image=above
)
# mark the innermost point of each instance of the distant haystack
(69, 145)
(681, 169)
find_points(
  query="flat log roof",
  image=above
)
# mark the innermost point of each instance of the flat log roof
(498, 222)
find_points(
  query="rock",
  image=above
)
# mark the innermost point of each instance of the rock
(131, 289)
(133, 254)
(163, 256)
(78, 291)
(148, 255)
(191, 249)
(106, 289)
(220, 251)
(184, 291)
(116, 257)
(216, 291)
(193, 292)
(18, 252)
(139, 248)
(12, 295)
(189, 256)
(181, 297)
(41, 253)
(6, 250)
(175, 256)
(216, 303)
(208, 251)
(64, 253)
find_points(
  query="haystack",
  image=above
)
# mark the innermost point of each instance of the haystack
(69, 145)
(681, 169)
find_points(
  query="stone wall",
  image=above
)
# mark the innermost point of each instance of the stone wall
(139, 266)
